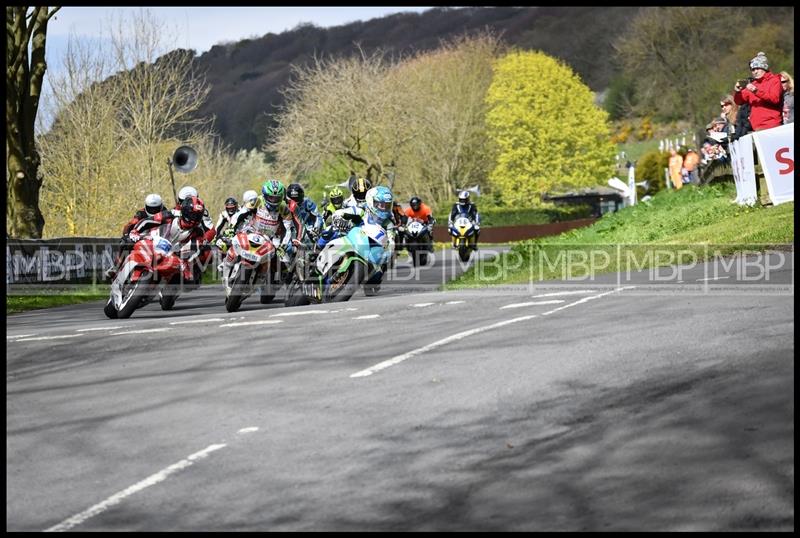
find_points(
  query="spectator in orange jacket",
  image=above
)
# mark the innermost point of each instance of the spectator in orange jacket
(675, 165)
(763, 93)
(690, 162)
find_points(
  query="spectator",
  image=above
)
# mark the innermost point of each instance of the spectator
(763, 93)
(787, 83)
(729, 111)
(690, 162)
(715, 131)
(675, 165)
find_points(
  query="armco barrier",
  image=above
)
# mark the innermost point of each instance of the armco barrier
(59, 260)
(84, 260)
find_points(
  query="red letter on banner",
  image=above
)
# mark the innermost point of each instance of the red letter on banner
(784, 160)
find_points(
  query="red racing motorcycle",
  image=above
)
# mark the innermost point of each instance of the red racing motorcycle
(152, 264)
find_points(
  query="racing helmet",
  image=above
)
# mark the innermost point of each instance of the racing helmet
(250, 199)
(185, 192)
(273, 192)
(463, 198)
(359, 188)
(192, 211)
(153, 204)
(231, 205)
(379, 202)
(415, 203)
(295, 192)
(336, 196)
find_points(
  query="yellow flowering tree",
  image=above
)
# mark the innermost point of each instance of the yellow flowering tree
(547, 131)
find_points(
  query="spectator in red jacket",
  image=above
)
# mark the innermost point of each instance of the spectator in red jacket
(763, 93)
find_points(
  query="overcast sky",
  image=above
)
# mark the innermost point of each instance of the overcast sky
(200, 28)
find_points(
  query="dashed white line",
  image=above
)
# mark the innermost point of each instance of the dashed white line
(139, 486)
(243, 323)
(100, 328)
(48, 337)
(303, 313)
(533, 303)
(368, 316)
(713, 278)
(555, 294)
(196, 321)
(454, 302)
(251, 429)
(142, 331)
(20, 335)
(420, 305)
(458, 336)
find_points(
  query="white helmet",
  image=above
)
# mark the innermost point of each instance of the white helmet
(153, 203)
(249, 199)
(186, 192)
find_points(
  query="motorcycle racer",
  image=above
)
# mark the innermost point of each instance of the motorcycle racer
(335, 201)
(377, 210)
(304, 208)
(358, 188)
(466, 208)
(179, 230)
(273, 219)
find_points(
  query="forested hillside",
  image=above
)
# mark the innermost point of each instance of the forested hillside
(246, 77)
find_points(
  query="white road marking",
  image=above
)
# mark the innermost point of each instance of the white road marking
(585, 299)
(100, 328)
(369, 316)
(251, 429)
(142, 331)
(534, 303)
(713, 278)
(262, 322)
(420, 305)
(573, 292)
(458, 336)
(195, 321)
(303, 313)
(20, 335)
(454, 302)
(139, 486)
(48, 337)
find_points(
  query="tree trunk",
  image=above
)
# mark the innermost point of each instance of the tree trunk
(23, 89)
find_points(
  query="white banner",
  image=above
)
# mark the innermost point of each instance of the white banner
(776, 155)
(744, 170)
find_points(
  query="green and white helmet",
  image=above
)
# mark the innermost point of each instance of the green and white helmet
(273, 192)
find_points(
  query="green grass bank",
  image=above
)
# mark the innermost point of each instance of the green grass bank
(693, 223)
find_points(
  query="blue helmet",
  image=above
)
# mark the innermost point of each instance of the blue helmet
(379, 202)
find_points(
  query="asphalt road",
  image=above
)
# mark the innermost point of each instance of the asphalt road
(610, 404)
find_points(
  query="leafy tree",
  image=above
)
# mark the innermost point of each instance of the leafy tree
(548, 132)
(24, 76)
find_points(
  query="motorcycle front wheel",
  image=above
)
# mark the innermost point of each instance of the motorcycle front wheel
(344, 285)
(132, 295)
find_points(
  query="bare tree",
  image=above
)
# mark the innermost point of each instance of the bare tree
(112, 135)
(24, 75)
(444, 95)
(343, 109)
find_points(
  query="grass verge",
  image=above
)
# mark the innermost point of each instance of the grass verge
(23, 303)
(691, 224)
